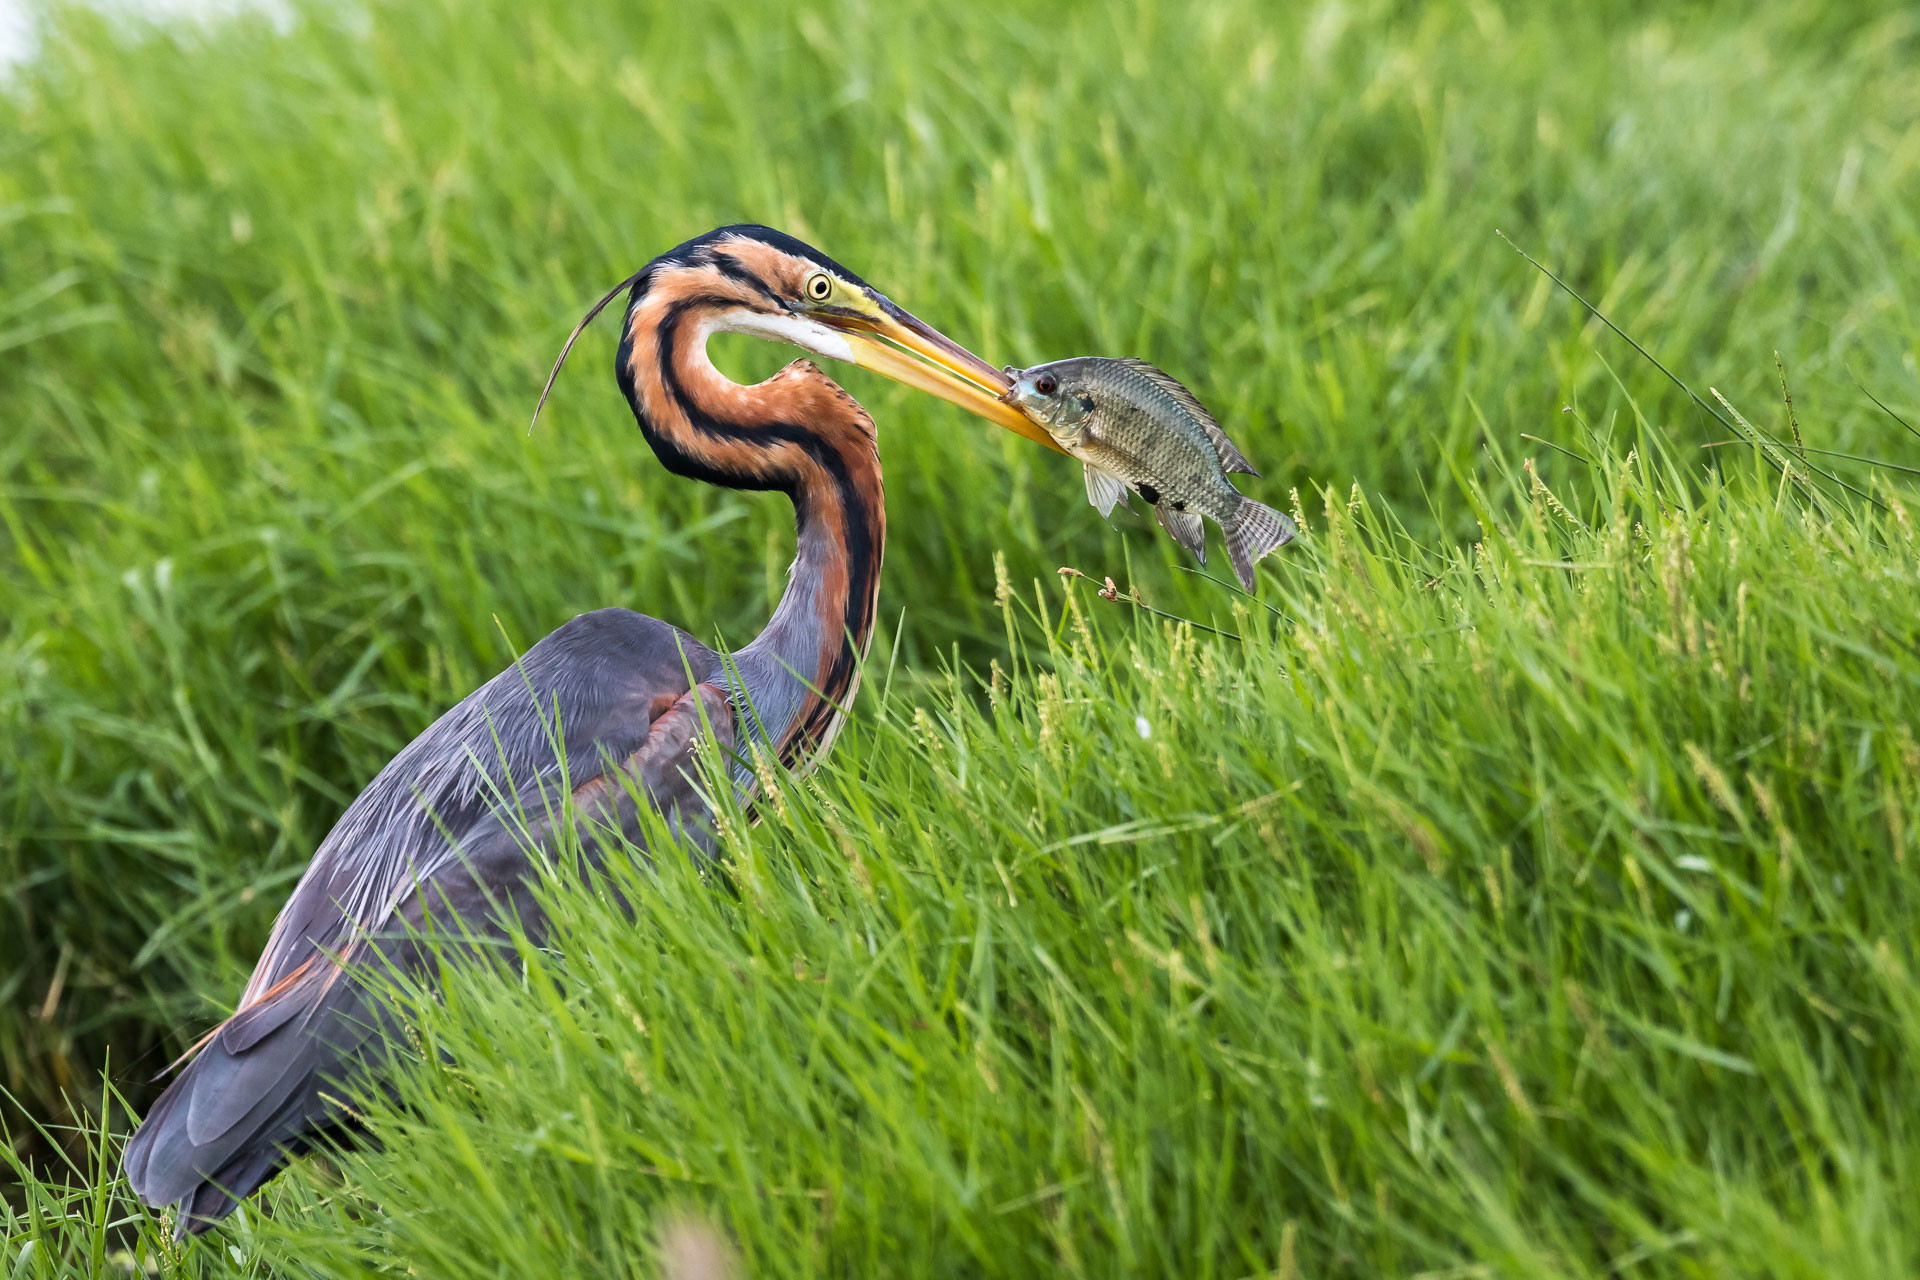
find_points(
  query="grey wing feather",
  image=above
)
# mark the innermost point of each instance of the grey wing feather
(437, 832)
(588, 686)
(1231, 459)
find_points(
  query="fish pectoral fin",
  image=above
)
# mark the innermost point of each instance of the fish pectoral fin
(1104, 491)
(1186, 529)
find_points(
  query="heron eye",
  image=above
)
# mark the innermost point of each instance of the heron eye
(1046, 384)
(819, 286)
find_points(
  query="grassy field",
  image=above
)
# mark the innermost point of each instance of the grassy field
(1529, 889)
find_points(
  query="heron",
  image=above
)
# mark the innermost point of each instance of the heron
(612, 707)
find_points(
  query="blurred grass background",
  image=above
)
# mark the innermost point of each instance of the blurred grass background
(277, 293)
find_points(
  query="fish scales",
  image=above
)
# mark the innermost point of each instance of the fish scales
(1136, 429)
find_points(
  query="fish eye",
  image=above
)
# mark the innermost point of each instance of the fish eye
(1046, 384)
(819, 286)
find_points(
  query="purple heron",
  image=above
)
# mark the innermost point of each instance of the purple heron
(441, 835)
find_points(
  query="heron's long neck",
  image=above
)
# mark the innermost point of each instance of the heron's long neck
(797, 432)
(801, 671)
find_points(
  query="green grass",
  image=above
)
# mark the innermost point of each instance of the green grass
(1536, 894)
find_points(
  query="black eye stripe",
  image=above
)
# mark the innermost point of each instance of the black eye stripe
(732, 268)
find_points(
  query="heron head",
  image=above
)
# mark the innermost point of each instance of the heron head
(767, 284)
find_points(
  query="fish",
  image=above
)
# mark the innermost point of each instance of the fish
(1137, 429)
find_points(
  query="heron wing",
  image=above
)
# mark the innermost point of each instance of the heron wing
(267, 1081)
(592, 688)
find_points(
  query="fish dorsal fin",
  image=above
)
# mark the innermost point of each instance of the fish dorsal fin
(1104, 491)
(1231, 459)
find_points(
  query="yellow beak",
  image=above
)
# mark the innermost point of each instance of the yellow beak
(897, 345)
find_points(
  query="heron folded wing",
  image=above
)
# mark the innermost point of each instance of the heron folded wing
(587, 694)
(275, 1073)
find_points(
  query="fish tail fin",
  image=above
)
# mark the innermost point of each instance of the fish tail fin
(1186, 529)
(1256, 530)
